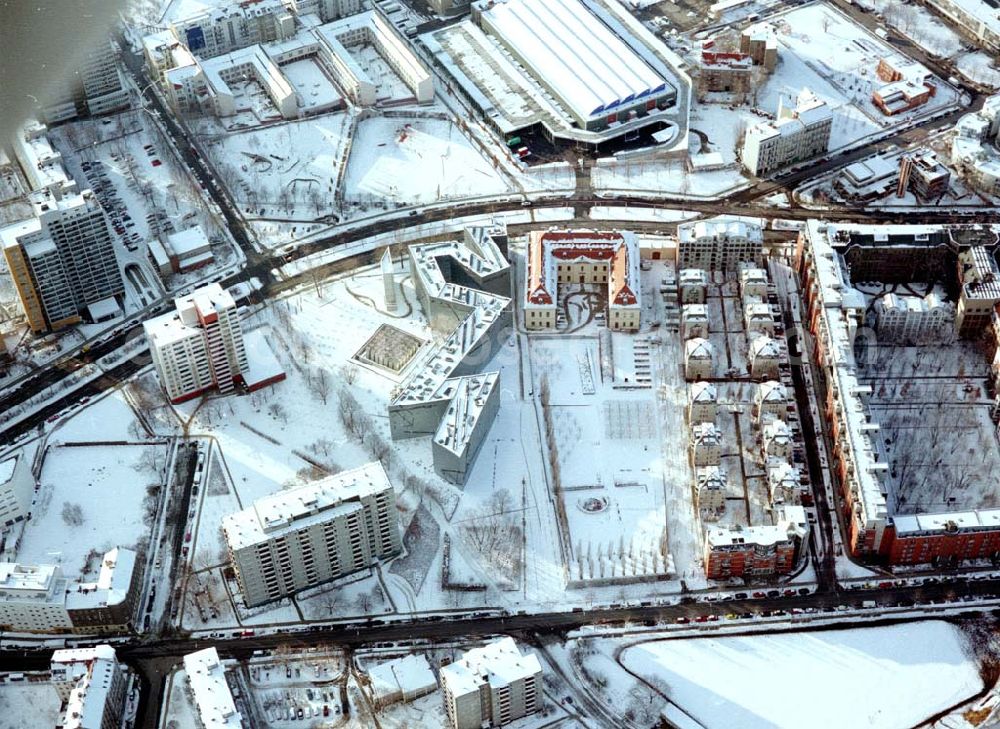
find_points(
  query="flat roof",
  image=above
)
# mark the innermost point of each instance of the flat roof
(214, 701)
(588, 66)
(318, 501)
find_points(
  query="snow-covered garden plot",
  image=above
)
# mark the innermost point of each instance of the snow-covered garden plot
(922, 26)
(883, 677)
(935, 423)
(288, 170)
(404, 160)
(979, 67)
(28, 704)
(608, 453)
(71, 520)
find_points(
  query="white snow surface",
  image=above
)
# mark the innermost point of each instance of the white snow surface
(883, 677)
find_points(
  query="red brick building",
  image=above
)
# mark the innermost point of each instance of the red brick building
(757, 551)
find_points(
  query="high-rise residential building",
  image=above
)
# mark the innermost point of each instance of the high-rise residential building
(62, 261)
(17, 486)
(91, 686)
(300, 538)
(198, 346)
(491, 686)
(94, 87)
(798, 133)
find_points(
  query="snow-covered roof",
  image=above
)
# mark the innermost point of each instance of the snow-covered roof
(589, 67)
(704, 392)
(720, 228)
(765, 347)
(20, 581)
(772, 391)
(480, 256)
(188, 242)
(409, 676)
(294, 509)
(947, 521)
(736, 535)
(184, 321)
(698, 348)
(94, 671)
(7, 467)
(706, 434)
(212, 698)
(112, 585)
(499, 664)
(619, 250)
(692, 276)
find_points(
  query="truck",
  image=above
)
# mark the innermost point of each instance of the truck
(868, 604)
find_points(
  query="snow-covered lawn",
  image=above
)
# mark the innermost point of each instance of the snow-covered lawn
(286, 170)
(91, 498)
(413, 160)
(979, 67)
(885, 677)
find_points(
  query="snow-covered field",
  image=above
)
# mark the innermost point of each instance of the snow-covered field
(71, 517)
(413, 160)
(288, 170)
(884, 678)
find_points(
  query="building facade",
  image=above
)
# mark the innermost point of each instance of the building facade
(62, 260)
(303, 537)
(94, 87)
(979, 278)
(492, 686)
(199, 346)
(757, 551)
(91, 687)
(582, 257)
(718, 244)
(797, 134)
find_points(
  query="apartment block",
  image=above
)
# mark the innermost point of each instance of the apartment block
(903, 319)
(797, 134)
(62, 262)
(199, 346)
(756, 551)
(492, 686)
(209, 690)
(94, 87)
(718, 71)
(979, 279)
(39, 599)
(300, 538)
(91, 686)
(225, 29)
(718, 244)
(17, 486)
